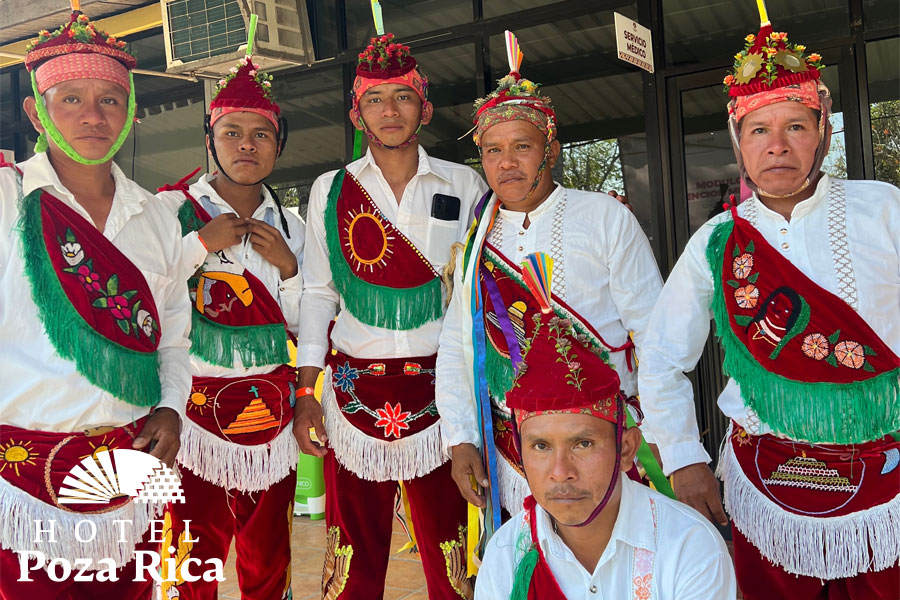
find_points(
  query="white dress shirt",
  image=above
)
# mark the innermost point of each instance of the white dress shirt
(412, 217)
(603, 268)
(679, 325)
(286, 292)
(690, 559)
(42, 391)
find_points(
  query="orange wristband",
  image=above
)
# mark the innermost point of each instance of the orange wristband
(205, 247)
(305, 391)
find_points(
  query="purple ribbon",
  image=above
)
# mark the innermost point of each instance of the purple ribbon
(512, 342)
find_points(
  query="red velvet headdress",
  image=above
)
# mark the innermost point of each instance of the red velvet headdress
(245, 88)
(386, 61)
(78, 36)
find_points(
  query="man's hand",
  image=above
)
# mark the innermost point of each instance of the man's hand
(696, 486)
(467, 463)
(308, 414)
(224, 231)
(161, 435)
(271, 246)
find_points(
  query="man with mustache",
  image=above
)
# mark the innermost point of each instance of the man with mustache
(588, 528)
(803, 281)
(93, 327)
(242, 256)
(602, 269)
(378, 234)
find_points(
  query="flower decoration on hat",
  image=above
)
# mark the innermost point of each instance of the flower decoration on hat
(515, 98)
(384, 58)
(78, 36)
(769, 61)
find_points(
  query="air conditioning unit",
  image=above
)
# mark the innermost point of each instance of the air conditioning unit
(209, 36)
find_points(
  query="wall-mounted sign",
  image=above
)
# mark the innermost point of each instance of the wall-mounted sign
(633, 43)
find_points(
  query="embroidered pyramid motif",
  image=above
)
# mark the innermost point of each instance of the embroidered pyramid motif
(256, 416)
(810, 473)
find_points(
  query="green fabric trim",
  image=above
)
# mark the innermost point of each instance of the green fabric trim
(188, 218)
(524, 572)
(818, 412)
(256, 344)
(129, 375)
(498, 371)
(57, 137)
(377, 305)
(651, 466)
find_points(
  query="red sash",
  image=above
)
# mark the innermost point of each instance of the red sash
(248, 411)
(388, 399)
(233, 309)
(37, 462)
(543, 585)
(806, 362)
(95, 305)
(383, 279)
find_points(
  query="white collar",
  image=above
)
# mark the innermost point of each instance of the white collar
(204, 188)
(427, 165)
(543, 208)
(804, 207)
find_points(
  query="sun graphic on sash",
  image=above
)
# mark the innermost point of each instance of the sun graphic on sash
(199, 400)
(367, 223)
(105, 445)
(13, 454)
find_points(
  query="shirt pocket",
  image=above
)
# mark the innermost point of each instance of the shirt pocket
(440, 235)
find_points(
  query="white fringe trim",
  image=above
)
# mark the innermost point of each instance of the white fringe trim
(823, 547)
(513, 487)
(20, 510)
(233, 466)
(379, 460)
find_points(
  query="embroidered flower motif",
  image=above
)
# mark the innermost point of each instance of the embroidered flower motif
(89, 279)
(850, 354)
(392, 419)
(815, 346)
(747, 296)
(345, 376)
(72, 252)
(742, 265)
(118, 306)
(145, 321)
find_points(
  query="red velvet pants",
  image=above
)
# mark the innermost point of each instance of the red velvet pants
(259, 522)
(41, 587)
(759, 579)
(359, 515)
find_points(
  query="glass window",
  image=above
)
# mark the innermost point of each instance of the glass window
(404, 18)
(884, 107)
(880, 14)
(323, 27)
(598, 101)
(313, 104)
(7, 114)
(493, 8)
(704, 31)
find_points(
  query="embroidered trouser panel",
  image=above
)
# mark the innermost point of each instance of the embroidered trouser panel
(42, 587)
(761, 580)
(358, 515)
(259, 522)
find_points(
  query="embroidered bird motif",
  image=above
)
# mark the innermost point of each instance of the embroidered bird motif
(337, 565)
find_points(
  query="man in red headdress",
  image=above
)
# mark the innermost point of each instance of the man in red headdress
(378, 235)
(587, 526)
(93, 334)
(242, 253)
(600, 267)
(803, 281)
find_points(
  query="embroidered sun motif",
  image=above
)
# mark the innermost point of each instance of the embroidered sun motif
(199, 401)
(105, 445)
(815, 346)
(365, 224)
(13, 454)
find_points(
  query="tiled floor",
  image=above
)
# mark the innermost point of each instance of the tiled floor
(405, 580)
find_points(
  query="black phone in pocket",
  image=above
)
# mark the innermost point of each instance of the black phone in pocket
(444, 207)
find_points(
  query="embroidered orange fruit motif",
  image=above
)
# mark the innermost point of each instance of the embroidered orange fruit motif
(742, 265)
(747, 296)
(815, 346)
(850, 354)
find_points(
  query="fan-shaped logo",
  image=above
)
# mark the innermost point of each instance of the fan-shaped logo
(108, 475)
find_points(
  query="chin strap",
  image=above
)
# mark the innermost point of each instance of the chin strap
(374, 139)
(54, 134)
(282, 140)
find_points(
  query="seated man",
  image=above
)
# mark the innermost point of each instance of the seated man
(588, 527)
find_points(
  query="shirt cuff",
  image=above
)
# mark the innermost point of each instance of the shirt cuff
(179, 406)
(681, 455)
(460, 437)
(292, 285)
(311, 355)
